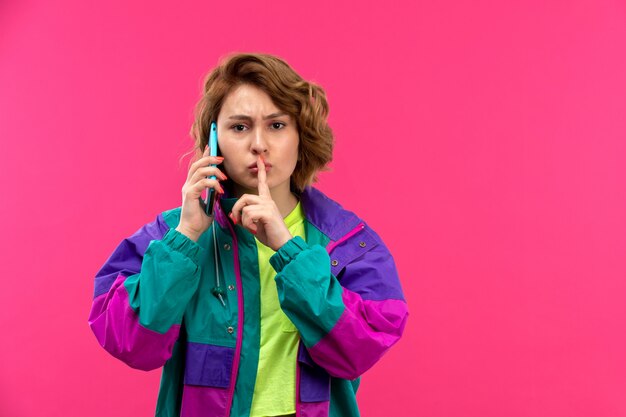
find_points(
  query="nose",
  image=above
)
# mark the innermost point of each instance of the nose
(259, 144)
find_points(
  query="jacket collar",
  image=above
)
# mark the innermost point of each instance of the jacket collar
(326, 214)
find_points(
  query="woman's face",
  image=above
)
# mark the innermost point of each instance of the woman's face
(248, 125)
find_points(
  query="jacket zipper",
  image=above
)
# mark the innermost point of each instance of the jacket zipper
(298, 380)
(235, 370)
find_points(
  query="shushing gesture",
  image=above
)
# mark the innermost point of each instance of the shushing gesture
(260, 215)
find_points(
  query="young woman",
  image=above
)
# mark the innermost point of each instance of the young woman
(277, 303)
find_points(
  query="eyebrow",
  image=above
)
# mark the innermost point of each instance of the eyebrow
(246, 117)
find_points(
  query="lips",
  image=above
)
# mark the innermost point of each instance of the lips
(253, 165)
(255, 170)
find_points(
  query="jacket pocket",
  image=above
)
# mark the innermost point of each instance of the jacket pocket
(208, 365)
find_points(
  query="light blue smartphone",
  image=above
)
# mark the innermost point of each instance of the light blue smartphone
(211, 194)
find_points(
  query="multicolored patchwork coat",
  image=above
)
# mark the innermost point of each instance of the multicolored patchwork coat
(158, 302)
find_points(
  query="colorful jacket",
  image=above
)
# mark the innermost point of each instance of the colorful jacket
(157, 304)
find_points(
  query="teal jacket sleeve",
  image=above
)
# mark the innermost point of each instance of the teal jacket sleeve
(141, 293)
(346, 323)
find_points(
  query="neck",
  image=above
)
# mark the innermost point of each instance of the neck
(285, 200)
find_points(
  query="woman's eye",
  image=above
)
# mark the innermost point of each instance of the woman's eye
(238, 128)
(278, 125)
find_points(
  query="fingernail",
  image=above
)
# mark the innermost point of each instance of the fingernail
(221, 158)
(262, 159)
(253, 232)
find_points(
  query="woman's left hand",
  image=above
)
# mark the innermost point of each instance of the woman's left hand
(260, 215)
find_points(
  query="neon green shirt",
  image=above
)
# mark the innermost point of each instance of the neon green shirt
(275, 387)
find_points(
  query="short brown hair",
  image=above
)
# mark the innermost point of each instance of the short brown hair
(303, 100)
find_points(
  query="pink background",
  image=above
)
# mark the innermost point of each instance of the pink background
(485, 141)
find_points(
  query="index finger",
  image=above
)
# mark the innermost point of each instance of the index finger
(194, 164)
(264, 189)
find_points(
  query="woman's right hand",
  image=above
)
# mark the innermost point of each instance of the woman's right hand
(193, 219)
